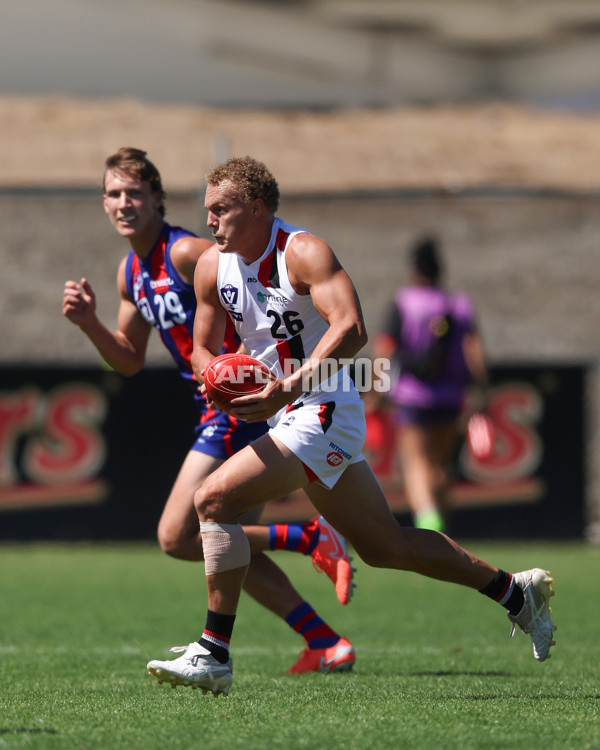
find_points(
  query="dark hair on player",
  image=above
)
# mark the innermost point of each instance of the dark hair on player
(128, 160)
(425, 258)
(250, 177)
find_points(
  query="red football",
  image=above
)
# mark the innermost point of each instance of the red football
(229, 376)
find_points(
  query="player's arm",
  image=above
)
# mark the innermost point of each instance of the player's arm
(211, 317)
(476, 364)
(314, 269)
(185, 254)
(123, 349)
(475, 357)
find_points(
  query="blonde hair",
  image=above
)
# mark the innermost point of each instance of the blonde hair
(250, 177)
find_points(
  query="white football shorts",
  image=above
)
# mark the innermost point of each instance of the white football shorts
(327, 437)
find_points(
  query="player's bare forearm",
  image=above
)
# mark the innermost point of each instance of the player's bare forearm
(200, 358)
(211, 319)
(209, 333)
(115, 349)
(341, 343)
(337, 302)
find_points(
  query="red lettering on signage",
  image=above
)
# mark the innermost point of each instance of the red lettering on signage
(71, 446)
(51, 447)
(515, 410)
(17, 416)
(509, 474)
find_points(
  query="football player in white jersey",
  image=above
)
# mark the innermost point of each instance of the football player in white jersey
(287, 292)
(135, 203)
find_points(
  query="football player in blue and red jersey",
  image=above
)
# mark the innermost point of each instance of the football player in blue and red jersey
(155, 281)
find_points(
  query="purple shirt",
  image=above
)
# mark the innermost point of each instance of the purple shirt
(416, 307)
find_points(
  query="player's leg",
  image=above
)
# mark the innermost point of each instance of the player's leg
(179, 533)
(217, 438)
(260, 472)
(265, 581)
(240, 484)
(265, 470)
(315, 538)
(222, 436)
(416, 475)
(178, 528)
(325, 649)
(441, 446)
(425, 442)
(356, 506)
(287, 537)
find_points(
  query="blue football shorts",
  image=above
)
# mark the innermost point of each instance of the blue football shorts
(219, 435)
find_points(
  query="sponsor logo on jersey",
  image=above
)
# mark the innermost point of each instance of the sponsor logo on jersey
(334, 458)
(251, 280)
(229, 293)
(341, 451)
(155, 283)
(273, 298)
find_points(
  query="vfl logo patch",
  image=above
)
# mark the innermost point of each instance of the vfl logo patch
(229, 293)
(334, 458)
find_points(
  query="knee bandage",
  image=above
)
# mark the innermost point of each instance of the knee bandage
(225, 547)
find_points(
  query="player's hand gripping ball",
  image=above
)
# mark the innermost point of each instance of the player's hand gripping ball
(230, 376)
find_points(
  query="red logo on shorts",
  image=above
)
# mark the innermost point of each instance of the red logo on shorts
(334, 459)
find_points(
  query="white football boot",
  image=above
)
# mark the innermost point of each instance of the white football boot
(534, 618)
(197, 668)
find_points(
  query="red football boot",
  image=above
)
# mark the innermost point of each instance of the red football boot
(338, 658)
(330, 556)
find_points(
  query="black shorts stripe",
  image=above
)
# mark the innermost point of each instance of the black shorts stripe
(326, 415)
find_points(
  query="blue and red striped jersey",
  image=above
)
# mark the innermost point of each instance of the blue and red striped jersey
(166, 301)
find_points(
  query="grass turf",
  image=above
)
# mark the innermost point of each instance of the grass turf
(435, 667)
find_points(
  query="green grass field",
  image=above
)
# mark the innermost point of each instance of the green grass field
(435, 667)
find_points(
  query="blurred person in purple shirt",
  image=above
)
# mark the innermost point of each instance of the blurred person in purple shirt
(431, 337)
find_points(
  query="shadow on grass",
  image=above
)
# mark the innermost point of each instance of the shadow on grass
(458, 673)
(27, 730)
